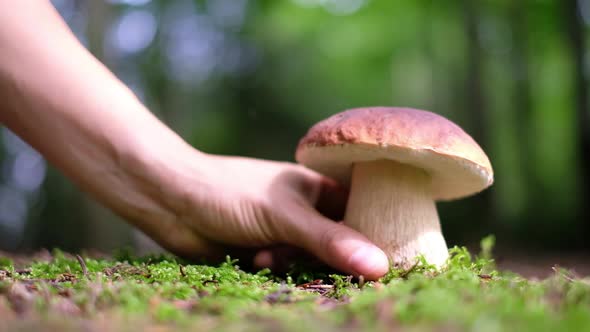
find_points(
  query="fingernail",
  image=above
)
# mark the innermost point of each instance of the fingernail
(369, 261)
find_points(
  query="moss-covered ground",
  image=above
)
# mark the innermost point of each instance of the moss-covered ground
(66, 292)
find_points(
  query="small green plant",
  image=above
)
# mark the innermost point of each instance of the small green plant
(487, 245)
(342, 286)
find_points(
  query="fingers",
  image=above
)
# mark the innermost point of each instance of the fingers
(332, 199)
(264, 258)
(337, 245)
(280, 258)
(180, 240)
(326, 194)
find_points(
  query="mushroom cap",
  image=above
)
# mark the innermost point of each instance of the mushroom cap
(456, 163)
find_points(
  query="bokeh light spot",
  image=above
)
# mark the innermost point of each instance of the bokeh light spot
(133, 32)
(28, 170)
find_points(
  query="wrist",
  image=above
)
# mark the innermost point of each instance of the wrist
(163, 168)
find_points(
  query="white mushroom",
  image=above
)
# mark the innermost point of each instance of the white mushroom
(397, 162)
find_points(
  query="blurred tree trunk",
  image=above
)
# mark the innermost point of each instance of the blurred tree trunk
(475, 102)
(576, 39)
(476, 105)
(522, 94)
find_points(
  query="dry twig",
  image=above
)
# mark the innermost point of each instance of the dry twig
(83, 265)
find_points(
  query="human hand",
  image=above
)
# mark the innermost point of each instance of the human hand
(113, 148)
(236, 203)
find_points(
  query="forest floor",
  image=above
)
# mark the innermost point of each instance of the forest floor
(59, 291)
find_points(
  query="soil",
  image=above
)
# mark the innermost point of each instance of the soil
(541, 265)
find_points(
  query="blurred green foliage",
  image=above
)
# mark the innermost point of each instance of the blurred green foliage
(505, 71)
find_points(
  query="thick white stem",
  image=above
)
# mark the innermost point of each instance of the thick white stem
(391, 204)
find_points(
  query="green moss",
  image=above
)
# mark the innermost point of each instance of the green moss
(5, 263)
(467, 294)
(342, 286)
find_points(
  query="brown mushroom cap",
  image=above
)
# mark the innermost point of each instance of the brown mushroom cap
(457, 165)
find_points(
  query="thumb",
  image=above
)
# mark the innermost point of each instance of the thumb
(337, 245)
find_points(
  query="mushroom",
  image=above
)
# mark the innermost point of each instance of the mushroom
(397, 163)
